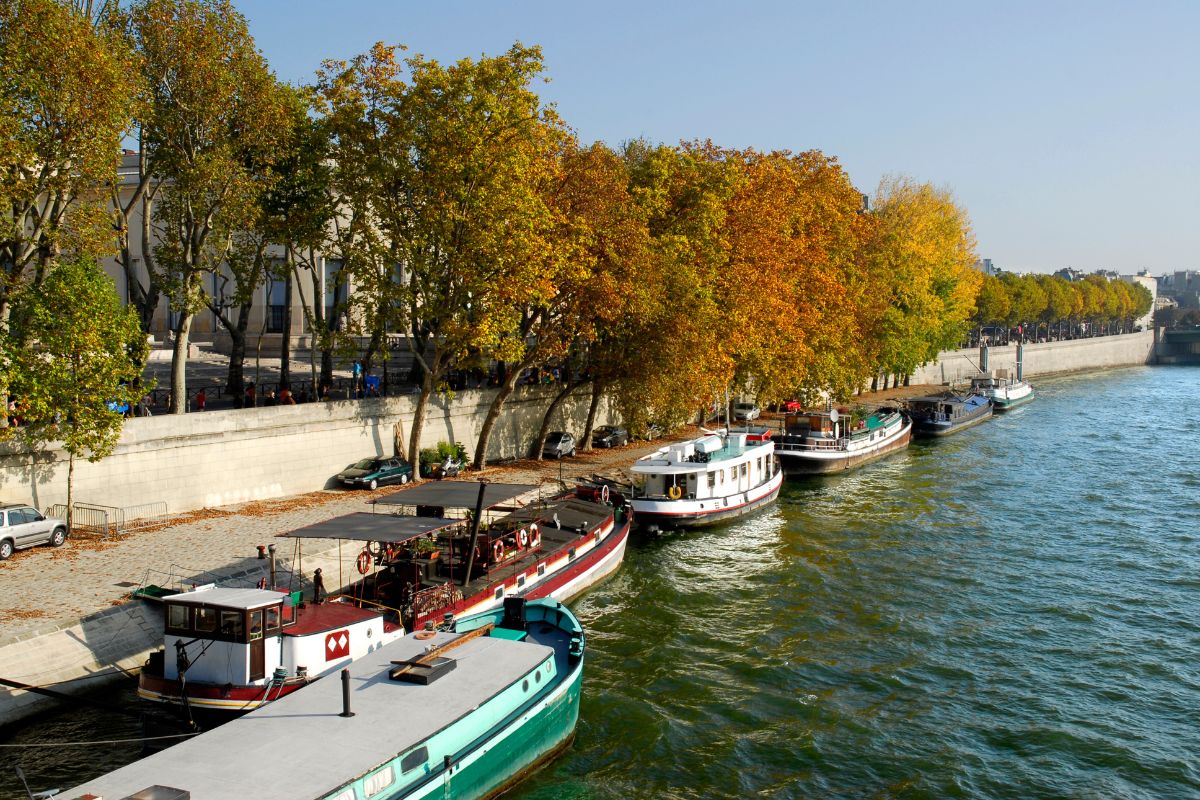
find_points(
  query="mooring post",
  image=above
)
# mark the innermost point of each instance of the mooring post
(346, 712)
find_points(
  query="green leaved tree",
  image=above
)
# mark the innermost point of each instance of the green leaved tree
(75, 362)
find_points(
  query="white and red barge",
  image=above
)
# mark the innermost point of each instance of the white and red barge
(703, 481)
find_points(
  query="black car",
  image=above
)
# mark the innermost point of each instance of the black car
(610, 436)
(558, 444)
(371, 473)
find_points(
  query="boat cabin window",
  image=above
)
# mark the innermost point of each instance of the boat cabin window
(205, 620)
(414, 759)
(273, 620)
(289, 613)
(178, 618)
(374, 784)
(256, 625)
(348, 794)
(232, 625)
(743, 470)
(712, 479)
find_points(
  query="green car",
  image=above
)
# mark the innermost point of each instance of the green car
(371, 473)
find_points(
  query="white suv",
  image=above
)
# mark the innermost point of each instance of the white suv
(23, 526)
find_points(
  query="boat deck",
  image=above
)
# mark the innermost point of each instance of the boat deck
(300, 746)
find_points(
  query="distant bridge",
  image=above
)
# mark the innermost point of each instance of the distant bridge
(1178, 346)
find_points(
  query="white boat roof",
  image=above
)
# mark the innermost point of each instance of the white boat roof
(300, 746)
(228, 598)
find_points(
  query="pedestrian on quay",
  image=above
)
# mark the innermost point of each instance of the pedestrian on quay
(250, 396)
(201, 400)
(285, 397)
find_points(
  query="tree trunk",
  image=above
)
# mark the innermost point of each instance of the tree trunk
(70, 490)
(485, 433)
(593, 407)
(179, 358)
(285, 341)
(235, 379)
(418, 424)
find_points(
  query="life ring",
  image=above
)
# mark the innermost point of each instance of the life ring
(604, 493)
(497, 550)
(364, 562)
(535, 536)
(675, 492)
(523, 538)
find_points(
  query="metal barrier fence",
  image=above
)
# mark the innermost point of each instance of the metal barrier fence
(108, 521)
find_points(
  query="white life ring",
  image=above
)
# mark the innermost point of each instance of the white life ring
(497, 550)
(535, 536)
(523, 538)
(604, 493)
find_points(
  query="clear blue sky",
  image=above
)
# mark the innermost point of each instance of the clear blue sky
(1070, 131)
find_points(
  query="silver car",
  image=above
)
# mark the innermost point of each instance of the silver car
(24, 526)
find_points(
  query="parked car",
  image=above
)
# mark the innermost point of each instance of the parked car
(610, 436)
(371, 473)
(558, 444)
(24, 526)
(746, 411)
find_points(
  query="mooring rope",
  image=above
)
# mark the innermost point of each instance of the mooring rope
(104, 741)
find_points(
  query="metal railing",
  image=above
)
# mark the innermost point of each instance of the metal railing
(107, 521)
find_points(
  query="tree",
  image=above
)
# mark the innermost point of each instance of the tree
(78, 359)
(214, 120)
(64, 101)
(923, 254)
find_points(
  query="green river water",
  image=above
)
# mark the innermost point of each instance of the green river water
(1012, 612)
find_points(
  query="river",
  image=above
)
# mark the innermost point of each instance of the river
(1012, 612)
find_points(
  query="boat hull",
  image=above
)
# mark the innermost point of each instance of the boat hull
(927, 428)
(830, 461)
(1003, 404)
(211, 697)
(511, 754)
(664, 514)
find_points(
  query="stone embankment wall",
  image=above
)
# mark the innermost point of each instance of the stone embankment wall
(218, 458)
(1075, 355)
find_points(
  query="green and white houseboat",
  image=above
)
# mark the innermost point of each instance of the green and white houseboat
(460, 713)
(1004, 390)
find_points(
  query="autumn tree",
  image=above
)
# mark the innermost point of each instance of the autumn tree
(76, 361)
(922, 255)
(214, 120)
(64, 102)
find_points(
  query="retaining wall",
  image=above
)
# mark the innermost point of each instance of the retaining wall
(1074, 355)
(216, 458)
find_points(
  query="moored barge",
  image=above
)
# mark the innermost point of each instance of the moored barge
(837, 439)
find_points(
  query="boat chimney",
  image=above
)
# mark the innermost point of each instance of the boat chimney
(1020, 361)
(983, 357)
(346, 712)
(271, 550)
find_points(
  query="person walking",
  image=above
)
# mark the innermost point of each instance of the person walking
(201, 400)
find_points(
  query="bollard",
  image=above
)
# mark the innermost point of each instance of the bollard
(346, 712)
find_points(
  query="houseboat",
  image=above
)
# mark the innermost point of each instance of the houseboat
(413, 569)
(234, 650)
(463, 712)
(713, 478)
(947, 413)
(1004, 390)
(426, 566)
(838, 439)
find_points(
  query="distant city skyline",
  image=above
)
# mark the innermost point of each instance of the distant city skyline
(1066, 130)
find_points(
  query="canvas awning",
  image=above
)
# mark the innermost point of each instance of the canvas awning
(366, 527)
(456, 494)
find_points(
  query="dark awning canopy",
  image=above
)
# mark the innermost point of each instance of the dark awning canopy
(367, 527)
(456, 494)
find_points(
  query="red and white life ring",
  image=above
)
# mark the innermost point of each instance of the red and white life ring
(364, 562)
(535, 536)
(523, 538)
(604, 493)
(497, 550)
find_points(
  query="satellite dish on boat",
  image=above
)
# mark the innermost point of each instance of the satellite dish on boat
(833, 415)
